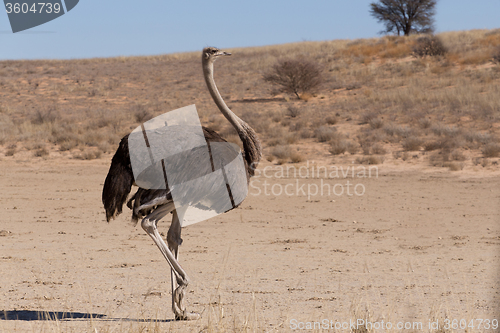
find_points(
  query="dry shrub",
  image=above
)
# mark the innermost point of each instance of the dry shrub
(397, 130)
(429, 46)
(446, 160)
(370, 160)
(141, 114)
(369, 136)
(482, 138)
(295, 157)
(280, 136)
(92, 92)
(297, 126)
(65, 134)
(491, 150)
(352, 147)
(496, 56)
(88, 155)
(40, 152)
(325, 133)
(338, 147)
(424, 123)
(105, 147)
(270, 158)
(276, 116)
(432, 145)
(446, 143)
(451, 142)
(291, 138)
(366, 146)
(45, 116)
(258, 123)
(412, 143)
(11, 150)
(483, 161)
(457, 155)
(331, 120)
(102, 118)
(286, 122)
(305, 134)
(441, 130)
(92, 138)
(67, 145)
(293, 111)
(7, 127)
(376, 123)
(378, 149)
(453, 166)
(281, 152)
(367, 117)
(295, 76)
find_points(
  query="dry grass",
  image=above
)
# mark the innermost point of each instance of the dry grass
(387, 98)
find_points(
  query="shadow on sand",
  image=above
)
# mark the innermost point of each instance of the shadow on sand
(30, 315)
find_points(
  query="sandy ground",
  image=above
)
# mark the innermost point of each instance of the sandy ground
(416, 246)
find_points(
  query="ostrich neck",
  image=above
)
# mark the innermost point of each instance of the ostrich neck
(251, 144)
(208, 71)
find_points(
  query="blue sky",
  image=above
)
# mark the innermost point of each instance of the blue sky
(104, 28)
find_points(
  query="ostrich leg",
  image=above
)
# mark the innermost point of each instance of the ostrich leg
(149, 224)
(178, 291)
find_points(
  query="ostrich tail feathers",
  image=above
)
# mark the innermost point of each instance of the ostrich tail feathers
(118, 182)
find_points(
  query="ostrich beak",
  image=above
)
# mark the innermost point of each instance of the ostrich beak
(222, 53)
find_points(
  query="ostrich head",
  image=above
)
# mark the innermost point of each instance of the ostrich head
(210, 54)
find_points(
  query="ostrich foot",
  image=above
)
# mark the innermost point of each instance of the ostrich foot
(178, 305)
(188, 316)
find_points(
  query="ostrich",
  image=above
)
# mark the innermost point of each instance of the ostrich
(151, 205)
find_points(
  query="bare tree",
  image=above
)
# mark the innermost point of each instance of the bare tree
(295, 76)
(405, 16)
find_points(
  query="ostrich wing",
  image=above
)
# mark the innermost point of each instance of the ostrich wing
(206, 178)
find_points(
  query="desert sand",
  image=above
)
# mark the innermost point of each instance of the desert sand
(415, 246)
